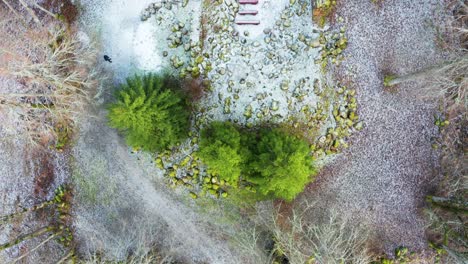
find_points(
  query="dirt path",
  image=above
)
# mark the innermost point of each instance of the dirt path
(382, 179)
(123, 204)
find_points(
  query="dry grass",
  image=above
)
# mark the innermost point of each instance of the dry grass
(448, 80)
(454, 83)
(447, 226)
(46, 80)
(451, 82)
(454, 144)
(52, 73)
(447, 231)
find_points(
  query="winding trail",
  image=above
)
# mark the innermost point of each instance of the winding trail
(134, 208)
(381, 180)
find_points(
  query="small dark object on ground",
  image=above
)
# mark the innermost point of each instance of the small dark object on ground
(107, 58)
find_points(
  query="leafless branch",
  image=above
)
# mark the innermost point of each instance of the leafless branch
(332, 240)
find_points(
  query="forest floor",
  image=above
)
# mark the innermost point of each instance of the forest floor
(381, 180)
(123, 204)
(29, 174)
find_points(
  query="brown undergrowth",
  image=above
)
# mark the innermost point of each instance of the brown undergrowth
(324, 10)
(447, 209)
(52, 74)
(47, 79)
(65, 9)
(194, 88)
(43, 175)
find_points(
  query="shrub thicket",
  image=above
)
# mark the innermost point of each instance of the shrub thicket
(150, 111)
(273, 163)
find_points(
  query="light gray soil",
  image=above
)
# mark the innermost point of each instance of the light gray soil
(132, 209)
(382, 179)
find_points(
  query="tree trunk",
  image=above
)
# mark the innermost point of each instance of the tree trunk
(6, 218)
(66, 256)
(45, 10)
(394, 80)
(20, 239)
(460, 258)
(391, 80)
(453, 204)
(31, 12)
(25, 95)
(25, 24)
(36, 247)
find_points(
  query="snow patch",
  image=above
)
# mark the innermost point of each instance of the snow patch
(144, 48)
(131, 44)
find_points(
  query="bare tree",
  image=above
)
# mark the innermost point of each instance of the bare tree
(22, 238)
(450, 78)
(447, 79)
(332, 240)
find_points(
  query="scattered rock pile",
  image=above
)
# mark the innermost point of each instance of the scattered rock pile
(253, 80)
(153, 8)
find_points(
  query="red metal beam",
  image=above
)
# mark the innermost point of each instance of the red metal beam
(247, 22)
(248, 12)
(248, 2)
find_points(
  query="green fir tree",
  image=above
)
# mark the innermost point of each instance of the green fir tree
(220, 150)
(279, 164)
(150, 111)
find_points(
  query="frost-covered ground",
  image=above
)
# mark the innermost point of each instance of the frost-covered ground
(28, 174)
(20, 175)
(259, 72)
(132, 197)
(263, 68)
(133, 45)
(122, 34)
(381, 180)
(123, 207)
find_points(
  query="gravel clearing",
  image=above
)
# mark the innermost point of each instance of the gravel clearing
(122, 35)
(262, 73)
(382, 178)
